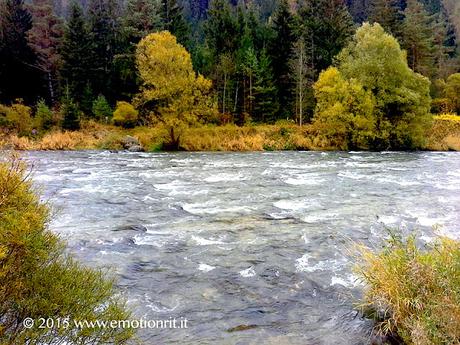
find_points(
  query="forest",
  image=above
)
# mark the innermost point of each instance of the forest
(260, 62)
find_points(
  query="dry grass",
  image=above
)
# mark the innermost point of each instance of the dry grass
(413, 293)
(445, 133)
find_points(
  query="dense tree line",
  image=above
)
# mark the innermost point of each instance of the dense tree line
(263, 57)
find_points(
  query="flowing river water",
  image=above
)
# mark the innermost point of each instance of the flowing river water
(256, 240)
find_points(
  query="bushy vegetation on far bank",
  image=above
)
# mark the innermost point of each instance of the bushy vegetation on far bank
(369, 99)
(39, 280)
(413, 294)
(443, 135)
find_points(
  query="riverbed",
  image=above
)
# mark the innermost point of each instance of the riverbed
(250, 248)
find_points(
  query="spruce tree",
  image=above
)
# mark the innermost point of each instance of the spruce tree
(44, 38)
(76, 55)
(70, 113)
(17, 59)
(265, 91)
(388, 13)
(280, 53)
(174, 21)
(418, 38)
(105, 35)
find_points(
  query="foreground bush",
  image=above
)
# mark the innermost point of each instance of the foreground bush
(412, 293)
(38, 280)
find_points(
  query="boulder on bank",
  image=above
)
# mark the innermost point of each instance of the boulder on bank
(132, 144)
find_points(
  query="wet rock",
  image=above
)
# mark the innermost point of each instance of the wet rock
(131, 144)
(136, 148)
(139, 228)
(241, 328)
(135, 227)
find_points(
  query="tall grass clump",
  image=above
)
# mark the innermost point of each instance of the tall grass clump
(39, 280)
(413, 293)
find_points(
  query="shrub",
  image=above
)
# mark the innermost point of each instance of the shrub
(125, 115)
(452, 91)
(43, 116)
(40, 281)
(413, 293)
(101, 109)
(16, 117)
(71, 115)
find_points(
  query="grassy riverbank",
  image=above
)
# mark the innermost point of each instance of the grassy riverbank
(443, 135)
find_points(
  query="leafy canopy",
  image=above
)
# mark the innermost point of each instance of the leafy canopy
(375, 62)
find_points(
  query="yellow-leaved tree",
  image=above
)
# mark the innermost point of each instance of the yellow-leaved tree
(171, 89)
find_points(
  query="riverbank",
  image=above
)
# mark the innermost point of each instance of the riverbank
(444, 135)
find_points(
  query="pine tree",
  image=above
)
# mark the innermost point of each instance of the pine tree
(446, 59)
(44, 38)
(17, 59)
(70, 113)
(174, 21)
(388, 13)
(280, 53)
(142, 17)
(359, 10)
(221, 30)
(76, 55)
(418, 38)
(105, 35)
(265, 100)
(301, 74)
(325, 27)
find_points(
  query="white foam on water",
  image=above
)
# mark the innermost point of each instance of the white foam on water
(349, 281)
(203, 209)
(224, 177)
(312, 218)
(141, 240)
(247, 273)
(292, 205)
(205, 267)
(387, 220)
(205, 242)
(307, 181)
(427, 221)
(302, 264)
(398, 182)
(352, 175)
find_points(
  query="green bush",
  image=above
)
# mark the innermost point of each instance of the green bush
(125, 115)
(413, 293)
(101, 109)
(70, 115)
(39, 280)
(452, 92)
(43, 116)
(16, 118)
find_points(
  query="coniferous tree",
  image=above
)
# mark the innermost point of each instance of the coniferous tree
(445, 55)
(174, 21)
(17, 59)
(418, 38)
(44, 38)
(142, 17)
(265, 92)
(105, 37)
(70, 113)
(388, 13)
(280, 53)
(325, 27)
(76, 57)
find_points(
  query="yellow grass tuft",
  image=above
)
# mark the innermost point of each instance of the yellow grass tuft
(413, 293)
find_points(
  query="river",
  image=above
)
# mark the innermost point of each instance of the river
(254, 239)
